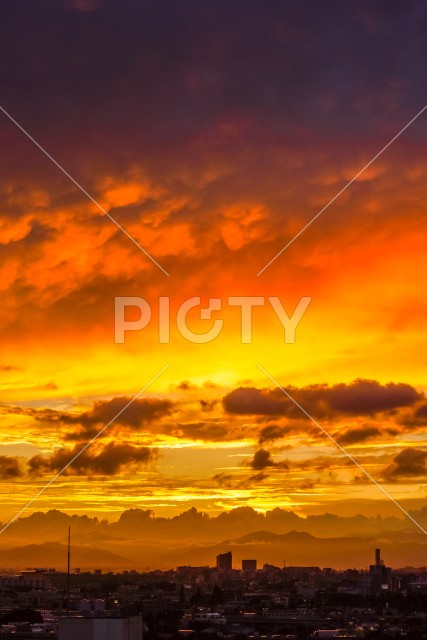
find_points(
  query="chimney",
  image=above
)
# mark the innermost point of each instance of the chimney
(378, 557)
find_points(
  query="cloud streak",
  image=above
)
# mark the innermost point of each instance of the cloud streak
(359, 398)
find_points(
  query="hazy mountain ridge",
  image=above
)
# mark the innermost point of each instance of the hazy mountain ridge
(139, 540)
(299, 549)
(196, 526)
(54, 554)
(292, 548)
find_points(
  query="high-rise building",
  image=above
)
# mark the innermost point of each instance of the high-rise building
(381, 577)
(249, 566)
(224, 561)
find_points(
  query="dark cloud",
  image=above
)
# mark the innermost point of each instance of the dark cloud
(10, 468)
(140, 411)
(420, 414)
(261, 460)
(163, 61)
(361, 434)
(109, 460)
(186, 385)
(415, 416)
(135, 415)
(409, 463)
(209, 431)
(361, 397)
(272, 432)
(358, 434)
(320, 463)
(223, 480)
(369, 396)
(257, 478)
(252, 401)
(208, 405)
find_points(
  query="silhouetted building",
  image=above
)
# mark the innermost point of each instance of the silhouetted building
(249, 566)
(224, 561)
(380, 574)
(194, 574)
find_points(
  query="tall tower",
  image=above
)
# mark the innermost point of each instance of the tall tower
(68, 569)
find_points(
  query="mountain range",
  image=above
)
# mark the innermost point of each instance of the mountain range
(92, 549)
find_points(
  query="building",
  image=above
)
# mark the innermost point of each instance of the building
(380, 574)
(195, 574)
(249, 566)
(100, 628)
(224, 561)
(32, 579)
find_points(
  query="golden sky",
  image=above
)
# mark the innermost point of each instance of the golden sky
(213, 134)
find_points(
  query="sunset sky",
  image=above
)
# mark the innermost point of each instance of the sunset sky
(212, 132)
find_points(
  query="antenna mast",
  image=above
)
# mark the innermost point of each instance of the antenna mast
(68, 571)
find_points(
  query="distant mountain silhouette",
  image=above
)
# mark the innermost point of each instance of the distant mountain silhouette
(140, 539)
(54, 554)
(198, 526)
(300, 548)
(275, 538)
